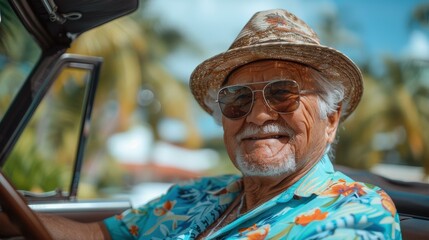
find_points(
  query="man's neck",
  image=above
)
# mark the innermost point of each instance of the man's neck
(260, 189)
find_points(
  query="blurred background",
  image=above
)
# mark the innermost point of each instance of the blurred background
(147, 131)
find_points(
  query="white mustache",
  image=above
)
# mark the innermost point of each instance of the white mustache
(268, 129)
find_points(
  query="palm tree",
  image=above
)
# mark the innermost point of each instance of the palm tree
(6, 21)
(421, 15)
(355, 146)
(389, 122)
(132, 55)
(132, 52)
(133, 48)
(18, 53)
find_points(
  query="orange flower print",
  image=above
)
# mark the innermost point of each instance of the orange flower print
(134, 230)
(251, 228)
(166, 207)
(345, 189)
(254, 232)
(119, 217)
(317, 215)
(387, 202)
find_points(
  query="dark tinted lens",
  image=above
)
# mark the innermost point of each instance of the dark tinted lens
(282, 96)
(235, 101)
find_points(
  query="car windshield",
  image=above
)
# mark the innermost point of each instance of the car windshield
(146, 129)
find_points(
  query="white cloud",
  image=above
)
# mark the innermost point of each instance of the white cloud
(137, 146)
(133, 146)
(418, 46)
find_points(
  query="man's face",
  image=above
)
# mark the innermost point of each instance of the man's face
(266, 143)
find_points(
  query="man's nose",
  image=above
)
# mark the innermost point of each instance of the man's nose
(261, 112)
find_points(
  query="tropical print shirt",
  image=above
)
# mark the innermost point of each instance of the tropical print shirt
(324, 204)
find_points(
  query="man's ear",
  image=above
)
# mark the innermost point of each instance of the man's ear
(332, 124)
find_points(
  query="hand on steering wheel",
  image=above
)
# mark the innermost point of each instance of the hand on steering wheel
(19, 213)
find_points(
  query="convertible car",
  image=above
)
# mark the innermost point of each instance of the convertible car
(54, 25)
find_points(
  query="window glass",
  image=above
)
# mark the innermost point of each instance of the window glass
(44, 155)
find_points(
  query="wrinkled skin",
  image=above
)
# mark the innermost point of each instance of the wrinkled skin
(304, 143)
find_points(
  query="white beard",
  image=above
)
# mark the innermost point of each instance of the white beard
(261, 168)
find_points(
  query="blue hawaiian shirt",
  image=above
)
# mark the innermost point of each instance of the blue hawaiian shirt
(324, 204)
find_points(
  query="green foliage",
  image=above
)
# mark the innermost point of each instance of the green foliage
(8, 20)
(18, 54)
(29, 171)
(390, 122)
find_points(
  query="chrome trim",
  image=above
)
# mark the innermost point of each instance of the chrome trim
(81, 206)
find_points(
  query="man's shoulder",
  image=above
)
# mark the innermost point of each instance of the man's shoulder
(363, 192)
(339, 178)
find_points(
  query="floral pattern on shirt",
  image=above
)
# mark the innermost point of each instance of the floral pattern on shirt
(315, 215)
(322, 204)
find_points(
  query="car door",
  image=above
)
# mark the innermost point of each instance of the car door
(45, 162)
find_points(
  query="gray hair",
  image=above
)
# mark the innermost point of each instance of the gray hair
(210, 101)
(330, 96)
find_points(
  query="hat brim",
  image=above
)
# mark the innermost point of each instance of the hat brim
(331, 63)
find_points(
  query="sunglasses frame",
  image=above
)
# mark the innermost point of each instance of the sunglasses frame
(263, 95)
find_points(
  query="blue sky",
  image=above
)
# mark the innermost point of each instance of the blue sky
(371, 28)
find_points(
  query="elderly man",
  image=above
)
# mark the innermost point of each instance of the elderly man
(279, 96)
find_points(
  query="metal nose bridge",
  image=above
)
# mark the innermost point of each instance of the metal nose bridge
(263, 95)
(264, 99)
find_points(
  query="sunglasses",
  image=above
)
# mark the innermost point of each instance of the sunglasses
(282, 96)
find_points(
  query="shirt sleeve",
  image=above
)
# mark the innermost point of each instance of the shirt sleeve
(117, 228)
(184, 208)
(129, 224)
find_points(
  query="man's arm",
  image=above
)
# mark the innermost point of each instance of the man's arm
(7, 229)
(59, 228)
(63, 228)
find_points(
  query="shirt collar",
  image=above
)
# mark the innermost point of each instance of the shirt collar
(313, 182)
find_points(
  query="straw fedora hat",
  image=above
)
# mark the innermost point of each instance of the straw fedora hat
(280, 35)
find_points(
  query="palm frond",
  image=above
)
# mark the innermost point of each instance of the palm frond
(7, 22)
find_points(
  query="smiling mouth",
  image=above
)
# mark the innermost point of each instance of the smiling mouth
(254, 138)
(266, 132)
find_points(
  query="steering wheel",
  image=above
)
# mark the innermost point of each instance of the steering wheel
(19, 213)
